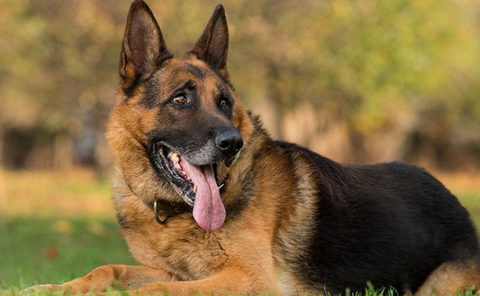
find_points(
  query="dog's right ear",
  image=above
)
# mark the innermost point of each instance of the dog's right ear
(212, 47)
(143, 48)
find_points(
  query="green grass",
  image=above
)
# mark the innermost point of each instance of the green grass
(39, 248)
(56, 250)
(471, 201)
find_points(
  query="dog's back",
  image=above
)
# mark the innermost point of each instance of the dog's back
(390, 224)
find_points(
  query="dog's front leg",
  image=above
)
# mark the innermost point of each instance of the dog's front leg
(227, 282)
(101, 278)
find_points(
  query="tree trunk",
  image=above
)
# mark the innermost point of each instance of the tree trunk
(3, 198)
(275, 101)
(357, 142)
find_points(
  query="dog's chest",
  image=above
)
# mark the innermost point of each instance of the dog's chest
(179, 247)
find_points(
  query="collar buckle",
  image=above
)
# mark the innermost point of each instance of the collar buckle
(160, 219)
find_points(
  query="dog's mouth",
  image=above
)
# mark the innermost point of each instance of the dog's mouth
(197, 185)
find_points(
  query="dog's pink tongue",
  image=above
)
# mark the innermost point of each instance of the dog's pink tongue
(208, 209)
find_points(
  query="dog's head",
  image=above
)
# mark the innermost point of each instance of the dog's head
(177, 122)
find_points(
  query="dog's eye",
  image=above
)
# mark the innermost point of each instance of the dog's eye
(181, 100)
(223, 103)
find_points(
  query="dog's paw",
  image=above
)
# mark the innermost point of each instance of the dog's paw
(43, 288)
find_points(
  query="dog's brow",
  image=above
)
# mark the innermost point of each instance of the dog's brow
(224, 89)
(183, 85)
(197, 71)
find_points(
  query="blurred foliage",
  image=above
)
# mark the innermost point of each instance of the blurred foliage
(405, 68)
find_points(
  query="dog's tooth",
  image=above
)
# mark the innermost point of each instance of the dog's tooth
(195, 188)
(174, 156)
(178, 167)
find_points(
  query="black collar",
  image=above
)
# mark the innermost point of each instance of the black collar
(164, 210)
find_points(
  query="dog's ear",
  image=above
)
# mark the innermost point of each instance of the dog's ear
(212, 47)
(143, 48)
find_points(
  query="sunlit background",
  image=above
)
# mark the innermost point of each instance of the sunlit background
(357, 81)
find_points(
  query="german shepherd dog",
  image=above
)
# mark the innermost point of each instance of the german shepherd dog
(209, 203)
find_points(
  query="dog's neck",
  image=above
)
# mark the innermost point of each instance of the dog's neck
(240, 177)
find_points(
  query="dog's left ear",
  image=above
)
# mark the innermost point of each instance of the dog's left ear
(212, 47)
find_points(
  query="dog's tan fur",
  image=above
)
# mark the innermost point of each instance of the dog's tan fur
(238, 258)
(451, 279)
(263, 233)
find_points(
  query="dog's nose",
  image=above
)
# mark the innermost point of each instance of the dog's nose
(229, 141)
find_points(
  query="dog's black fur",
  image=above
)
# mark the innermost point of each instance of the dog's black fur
(375, 223)
(326, 226)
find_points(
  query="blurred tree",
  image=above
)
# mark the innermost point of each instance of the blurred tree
(58, 71)
(398, 68)
(373, 65)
